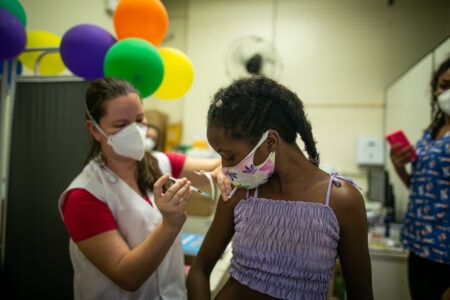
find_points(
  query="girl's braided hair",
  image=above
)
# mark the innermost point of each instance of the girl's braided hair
(251, 105)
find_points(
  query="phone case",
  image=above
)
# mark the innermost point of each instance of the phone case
(398, 136)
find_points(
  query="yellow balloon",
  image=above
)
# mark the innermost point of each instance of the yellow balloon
(49, 64)
(178, 74)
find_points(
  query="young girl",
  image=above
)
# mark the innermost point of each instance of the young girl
(288, 220)
(123, 221)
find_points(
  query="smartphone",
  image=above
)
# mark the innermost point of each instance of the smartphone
(399, 137)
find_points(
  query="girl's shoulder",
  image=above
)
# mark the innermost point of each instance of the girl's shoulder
(347, 202)
(345, 193)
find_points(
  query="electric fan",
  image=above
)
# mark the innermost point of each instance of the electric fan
(252, 55)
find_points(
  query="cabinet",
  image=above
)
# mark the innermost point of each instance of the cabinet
(389, 265)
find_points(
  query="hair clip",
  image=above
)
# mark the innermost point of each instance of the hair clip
(314, 160)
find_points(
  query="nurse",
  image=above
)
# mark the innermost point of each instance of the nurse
(123, 218)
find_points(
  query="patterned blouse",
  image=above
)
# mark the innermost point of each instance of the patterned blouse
(426, 224)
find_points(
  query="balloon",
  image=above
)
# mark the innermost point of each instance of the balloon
(83, 50)
(13, 36)
(18, 69)
(51, 63)
(14, 7)
(178, 74)
(136, 61)
(145, 19)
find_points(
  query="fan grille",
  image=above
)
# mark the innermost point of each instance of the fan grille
(252, 55)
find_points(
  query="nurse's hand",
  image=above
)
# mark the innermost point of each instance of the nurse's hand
(222, 181)
(172, 203)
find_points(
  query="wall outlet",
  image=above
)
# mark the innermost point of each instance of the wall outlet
(370, 151)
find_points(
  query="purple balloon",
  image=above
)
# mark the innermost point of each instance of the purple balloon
(13, 37)
(83, 49)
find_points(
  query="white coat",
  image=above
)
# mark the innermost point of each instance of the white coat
(135, 219)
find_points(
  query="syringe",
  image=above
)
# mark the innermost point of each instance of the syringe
(193, 188)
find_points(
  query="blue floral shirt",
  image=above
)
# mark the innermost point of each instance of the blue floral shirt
(426, 224)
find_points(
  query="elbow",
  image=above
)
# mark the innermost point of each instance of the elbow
(129, 285)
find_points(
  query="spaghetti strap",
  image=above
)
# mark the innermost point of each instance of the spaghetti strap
(246, 196)
(336, 179)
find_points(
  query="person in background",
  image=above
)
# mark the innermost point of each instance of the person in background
(157, 128)
(289, 221)
(123, 218)
(151, 137)
(426, 223)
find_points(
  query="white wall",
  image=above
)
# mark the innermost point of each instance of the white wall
(339, 56)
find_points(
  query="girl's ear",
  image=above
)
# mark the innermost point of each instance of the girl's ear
(273, 139)
(93, 130)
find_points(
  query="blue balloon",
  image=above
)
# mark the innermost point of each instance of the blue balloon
(13, 37)
(18, 69)
(83, 49)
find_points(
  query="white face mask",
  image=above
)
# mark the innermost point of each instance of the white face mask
(149, 144)
(129, 141)
(444, 101)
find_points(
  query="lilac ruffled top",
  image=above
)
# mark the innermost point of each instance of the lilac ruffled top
(285, 249)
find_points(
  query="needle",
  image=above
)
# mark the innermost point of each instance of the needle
(193, 188)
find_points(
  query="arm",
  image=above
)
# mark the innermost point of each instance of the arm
(212, 165)
(217, 238)
(129, 268)
(353, 249)
(399, 159)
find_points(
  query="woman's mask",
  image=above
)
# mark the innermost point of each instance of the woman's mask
(246, 175)
(129, 141)
(444, 101)
(149, 144)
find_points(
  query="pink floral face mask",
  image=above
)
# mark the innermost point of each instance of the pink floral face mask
(246, 175)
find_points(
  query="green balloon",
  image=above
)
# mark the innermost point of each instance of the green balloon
(14, 7)
(136, 61)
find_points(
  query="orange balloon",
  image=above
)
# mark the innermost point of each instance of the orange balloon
(145, 19)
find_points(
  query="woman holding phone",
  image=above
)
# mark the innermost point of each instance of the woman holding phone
(426, 223)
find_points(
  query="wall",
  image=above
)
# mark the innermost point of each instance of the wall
(337, 55)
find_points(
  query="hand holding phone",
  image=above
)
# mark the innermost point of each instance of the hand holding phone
(399, 137)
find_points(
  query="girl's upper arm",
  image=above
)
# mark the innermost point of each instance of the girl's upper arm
(216, 240)
(349, 207)
(219, 234)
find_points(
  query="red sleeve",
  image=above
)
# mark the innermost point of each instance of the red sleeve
(85, 215)
(177, 162)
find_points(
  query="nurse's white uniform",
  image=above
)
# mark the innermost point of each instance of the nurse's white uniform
(135, 219)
